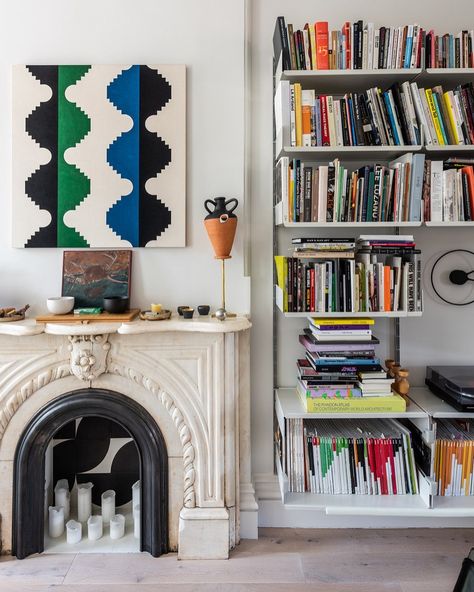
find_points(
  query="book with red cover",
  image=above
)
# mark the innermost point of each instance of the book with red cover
(322, 45)
(346, 31)
(469, 172)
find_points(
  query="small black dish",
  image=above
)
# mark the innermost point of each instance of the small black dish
(180, 309)
(204, 309)
(188, 312)
(116, 304)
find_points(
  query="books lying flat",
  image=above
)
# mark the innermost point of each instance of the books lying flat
(328, 391)
(318, 322)
(389, 404)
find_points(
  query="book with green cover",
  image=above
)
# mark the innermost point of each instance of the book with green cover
(390, 404)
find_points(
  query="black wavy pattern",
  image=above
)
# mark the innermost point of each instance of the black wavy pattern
(155, 154)
(42, 185)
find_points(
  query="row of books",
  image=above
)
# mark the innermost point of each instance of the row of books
(334, 193)
(448, 190)
(362, 457)
(370, 118)
(360, 45)
(454, 458)
(383, 276)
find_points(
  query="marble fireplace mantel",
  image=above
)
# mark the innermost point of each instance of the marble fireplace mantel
(192, 376)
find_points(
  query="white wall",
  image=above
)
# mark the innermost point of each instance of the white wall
(207, 36)
(443, 334)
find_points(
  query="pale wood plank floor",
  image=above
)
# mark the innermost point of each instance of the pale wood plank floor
(282, 560)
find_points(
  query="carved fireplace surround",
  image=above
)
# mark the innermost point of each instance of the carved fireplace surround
(191, 377)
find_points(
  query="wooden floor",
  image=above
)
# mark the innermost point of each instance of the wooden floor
(282, 560)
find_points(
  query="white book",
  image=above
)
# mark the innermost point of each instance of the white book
(375, 57)
(392, 57)
(389, 47)
(399, 56)
(282, 185)
(365, 53)
(331, 120)
(413, 125)
(448, 195)
(436, 191)
(370, 45)
(420, 113)
(415, 46)
(282, 108)
(458, 202)
(323, 193)
(428, 117)
(457, 115)
(307, 56)
(338, 120)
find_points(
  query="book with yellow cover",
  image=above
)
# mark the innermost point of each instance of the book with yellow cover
(298, 114)
(390, 404)
(342, 321)
(434, 116)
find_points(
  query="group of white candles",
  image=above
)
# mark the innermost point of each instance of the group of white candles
(59, 513)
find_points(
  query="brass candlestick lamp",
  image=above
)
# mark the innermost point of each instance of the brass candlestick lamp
(221, 224)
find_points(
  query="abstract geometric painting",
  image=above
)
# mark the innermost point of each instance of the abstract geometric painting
(99, 156)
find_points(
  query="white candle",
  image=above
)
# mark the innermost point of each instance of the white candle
(117, 526)
(56, 521)
(136, 521)
(94, 528)
(62, 496)
(73, 532)
(84, 501)
(136, 494)
(108, 505)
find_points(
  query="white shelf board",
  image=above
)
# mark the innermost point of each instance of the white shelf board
(446, 76)
(347, 152)
(434, 406)
(350, 224)
(452, 506)
(290, 407)
(349, 80)
(450, 148)
(351, 315)
(450, 224)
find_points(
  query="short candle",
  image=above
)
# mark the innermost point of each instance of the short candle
(156, 308)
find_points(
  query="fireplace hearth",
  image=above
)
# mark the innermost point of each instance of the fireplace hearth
(180, 389)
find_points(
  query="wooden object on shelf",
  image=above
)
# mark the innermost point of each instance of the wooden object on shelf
(149, 315)
(104, 317)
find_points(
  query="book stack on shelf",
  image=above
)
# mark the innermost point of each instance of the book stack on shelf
(373, 274)
(341, 372)
(447, 117)
(448, 190)
(361, 457)
(334, 193)
(454, 458)
(361, 45)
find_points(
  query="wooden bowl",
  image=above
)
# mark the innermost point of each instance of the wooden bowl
(147, 315)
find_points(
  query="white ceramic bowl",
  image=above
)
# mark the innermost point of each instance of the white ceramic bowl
(60, 305)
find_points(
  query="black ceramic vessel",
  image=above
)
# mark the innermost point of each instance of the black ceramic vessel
(188, 312)
(116, 304)
(204, 309)
(180, 309)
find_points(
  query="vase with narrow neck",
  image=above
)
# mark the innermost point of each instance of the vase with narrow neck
(221, 224)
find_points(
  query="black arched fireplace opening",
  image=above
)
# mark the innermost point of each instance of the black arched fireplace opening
(29, 466)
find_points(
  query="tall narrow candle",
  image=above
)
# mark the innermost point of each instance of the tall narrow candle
(117, 526)
(73, 532)
(56, 521)
(62, 496)
(84, 501)
(136, 521)
(94, 528)
(108, 505)
(136, 494)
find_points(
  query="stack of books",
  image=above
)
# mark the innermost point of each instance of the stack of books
(335, 193)
(454, 457)
(362, 45)
(362, 457)
(390, 268)
(341, 372)
(371, 118)
(448, 190)
(382, 274)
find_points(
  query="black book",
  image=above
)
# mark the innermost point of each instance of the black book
(355, 45)
(400, 112)
(300, 50)
(308, 288)
(465, 198)
(360, 44)
(345, 127)
(350, 442)
(381, 47)
(308, 180)
(358, 120)
(330, 195)
(280, 43)
(369, 128)
(298, 191)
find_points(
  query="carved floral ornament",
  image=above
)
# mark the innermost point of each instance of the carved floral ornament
(89, 360)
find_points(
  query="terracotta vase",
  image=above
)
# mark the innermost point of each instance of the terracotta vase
(221, 225)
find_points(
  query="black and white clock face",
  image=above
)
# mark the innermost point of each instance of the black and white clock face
(452, 277)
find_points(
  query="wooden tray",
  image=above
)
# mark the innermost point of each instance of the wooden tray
(104, 317)
(11, 318)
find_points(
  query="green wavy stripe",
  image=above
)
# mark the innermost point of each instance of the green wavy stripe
(73, 185)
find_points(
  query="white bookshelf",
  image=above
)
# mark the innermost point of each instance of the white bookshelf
(425, 407)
